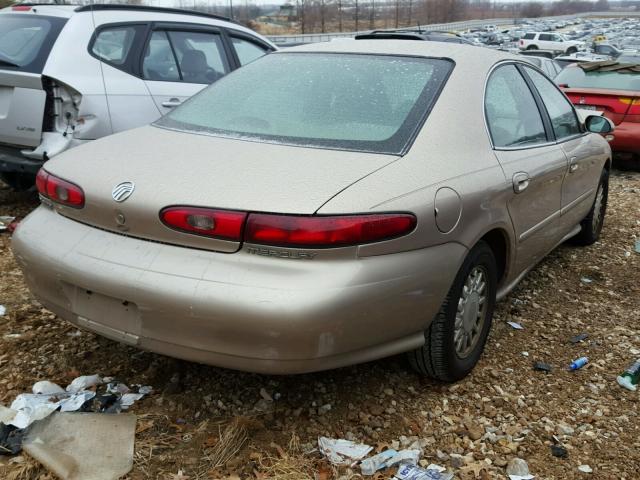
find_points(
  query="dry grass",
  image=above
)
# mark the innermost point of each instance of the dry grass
(24, 467)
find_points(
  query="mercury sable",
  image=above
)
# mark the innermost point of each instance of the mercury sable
(325, 205)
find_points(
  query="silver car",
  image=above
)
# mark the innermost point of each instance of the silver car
(71, 74)
(323, 206)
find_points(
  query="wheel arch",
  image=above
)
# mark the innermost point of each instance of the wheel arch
(499, 241)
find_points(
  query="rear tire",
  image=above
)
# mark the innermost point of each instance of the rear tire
(591, 225)
(532, 47)
(449, 353)
(18, 181)
(572, 50)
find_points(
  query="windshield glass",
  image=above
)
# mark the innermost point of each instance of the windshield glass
(344, 101)
(575, 77)
(25, 41)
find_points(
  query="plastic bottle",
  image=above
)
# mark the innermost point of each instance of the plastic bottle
(579, 363)
(630, 377)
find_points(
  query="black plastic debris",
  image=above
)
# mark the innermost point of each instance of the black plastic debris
(10, 439)
(542, 367)
(579, 338)
(559, 451)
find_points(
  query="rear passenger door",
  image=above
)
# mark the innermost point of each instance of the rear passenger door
(118, 47)
(533, 164)
(246, 48)
(180, 60)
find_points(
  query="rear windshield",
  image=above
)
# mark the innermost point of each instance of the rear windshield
(575, 77)
(369, 103)
(26, 40)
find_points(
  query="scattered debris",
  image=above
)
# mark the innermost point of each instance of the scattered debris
(578, 363)
(10, 439)
(579, 338)
(637, 246)
(3, 310)
(342, 452)
(389, 458)
(5, 223)
(585, 469)
(630, 377)
(518, 469)
(542, 367)
(586, 280)
(432, 472)
(84, 446)
(559, 451)
(515, 325)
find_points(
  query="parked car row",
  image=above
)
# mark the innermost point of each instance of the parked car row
(324, 205)
(69, 75)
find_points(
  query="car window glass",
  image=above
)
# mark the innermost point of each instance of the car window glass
(512, 114)
(563, 118)
(247, 51)
(369, 103)
(201, 57)
(159, 63)
(529, 36)
(545, 37)
(113, 44)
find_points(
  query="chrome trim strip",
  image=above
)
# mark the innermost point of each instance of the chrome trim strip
(574, 203)
(538, 226)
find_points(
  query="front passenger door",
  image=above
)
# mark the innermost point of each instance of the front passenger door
(533, 164)
(578, 187)
(178, 63)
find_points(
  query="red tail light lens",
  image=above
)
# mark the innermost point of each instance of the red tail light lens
(222, 224)
(21, 8)
(59, 190)
(326, 232)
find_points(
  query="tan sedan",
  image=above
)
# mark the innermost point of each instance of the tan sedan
(322, 206)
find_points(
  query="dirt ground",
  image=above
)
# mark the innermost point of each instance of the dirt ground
(208, 423)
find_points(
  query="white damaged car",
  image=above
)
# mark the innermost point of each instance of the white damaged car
(72, 74)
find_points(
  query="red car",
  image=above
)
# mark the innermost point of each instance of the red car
(594, 86)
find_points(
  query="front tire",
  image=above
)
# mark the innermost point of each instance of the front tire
(455, 339)
(591, 225)
(572, 50)
(532, 47)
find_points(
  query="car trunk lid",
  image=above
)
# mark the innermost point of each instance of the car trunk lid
(22, 103)
(615, 104)
(169, 168)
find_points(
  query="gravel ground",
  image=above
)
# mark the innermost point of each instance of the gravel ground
(209, 423)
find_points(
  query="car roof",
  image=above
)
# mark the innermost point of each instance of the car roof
(68, 10)
(415, 48)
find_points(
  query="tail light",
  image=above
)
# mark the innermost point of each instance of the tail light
(222, 224)
(21, 8)
(326, 232)
(59, 190)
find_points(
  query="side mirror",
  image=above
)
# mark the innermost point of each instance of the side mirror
(599, 124)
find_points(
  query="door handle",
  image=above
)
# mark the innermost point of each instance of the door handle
(172, 102)
(520, 182)
(573, 164)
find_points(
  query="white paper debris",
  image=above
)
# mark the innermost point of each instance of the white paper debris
(405, 457)
(119, 388)
(585, 469)
(515, 325)
(521, 477)
(6, 414)
(46, 387)
(342, 452)
(75, 401)
(83, 382)
(411, 472)
(433, 466)
(30, 408)
(3, 310)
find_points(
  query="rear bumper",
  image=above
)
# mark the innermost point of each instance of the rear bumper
(12, 161)
(241, 311)
(626, 138)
